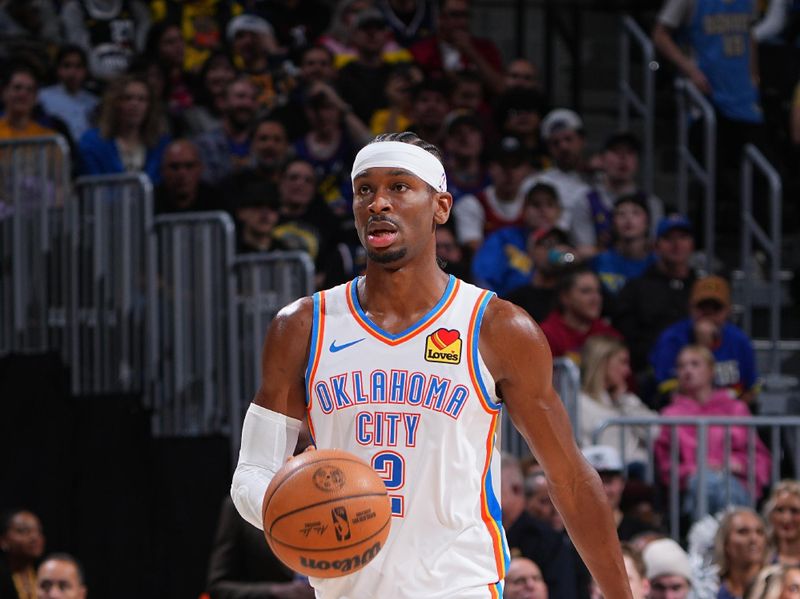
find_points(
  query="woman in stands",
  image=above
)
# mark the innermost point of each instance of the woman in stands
(21, 547)
(697, 397)
(130, 137)
(782, 513)
(605, 368)
(740, 551)
(776, 582)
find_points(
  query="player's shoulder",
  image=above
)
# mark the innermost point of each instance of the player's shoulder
(506, 323)
(296, 317)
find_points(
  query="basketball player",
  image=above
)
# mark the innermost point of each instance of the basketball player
(409, 368)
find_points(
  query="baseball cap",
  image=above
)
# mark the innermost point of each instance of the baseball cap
(543, 233)
(460, 117)
(710, 288)
(664, 557)
(369, 16)
(603, 458)
(247, 23)
(508, 150)
(623, 138)
(672, 222)
(558, 119)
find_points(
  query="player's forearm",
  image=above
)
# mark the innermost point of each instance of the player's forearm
(590, 524)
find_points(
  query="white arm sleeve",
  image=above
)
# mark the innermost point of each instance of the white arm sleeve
(268, 440)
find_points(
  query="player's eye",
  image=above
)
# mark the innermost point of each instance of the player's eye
(399, 186)
(363, 190)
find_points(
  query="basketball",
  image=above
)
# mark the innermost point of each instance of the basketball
(326, 513)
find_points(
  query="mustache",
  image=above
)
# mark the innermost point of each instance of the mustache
(381, 218)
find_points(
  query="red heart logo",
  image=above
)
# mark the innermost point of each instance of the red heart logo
(446, 337)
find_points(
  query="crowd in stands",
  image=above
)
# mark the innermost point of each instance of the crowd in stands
(258, 108)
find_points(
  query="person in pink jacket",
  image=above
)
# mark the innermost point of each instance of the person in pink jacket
(697, 397)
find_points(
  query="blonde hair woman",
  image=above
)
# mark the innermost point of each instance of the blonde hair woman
(776, 582)
(740, 551)
(130, 136)
(782, 513)
(605, 368)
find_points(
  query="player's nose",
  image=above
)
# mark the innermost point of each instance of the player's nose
(380, 202)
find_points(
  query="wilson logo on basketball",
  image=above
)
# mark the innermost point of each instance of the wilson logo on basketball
(443, 346)
(342, 565)
(328, 478)
(340, 524)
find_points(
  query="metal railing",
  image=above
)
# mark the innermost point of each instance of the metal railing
(566, 381)
(110, 265)
(34, 187)
(703, 425)
(754, 161)
(691, 101)
(629, 100)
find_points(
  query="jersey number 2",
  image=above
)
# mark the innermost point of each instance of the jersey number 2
(391, 467)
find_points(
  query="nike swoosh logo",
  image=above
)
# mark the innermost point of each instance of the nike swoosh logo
(334, 348)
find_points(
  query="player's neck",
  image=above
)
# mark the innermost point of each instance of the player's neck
(397, 298)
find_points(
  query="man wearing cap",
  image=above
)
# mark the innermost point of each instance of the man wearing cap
(648, 304)
(708, 325)
(362, 80)
(500, 204)
(668, 570)
(257, 214)
(463, 147)
(620, 168)
(562, 131)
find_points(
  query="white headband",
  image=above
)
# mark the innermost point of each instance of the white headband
(398, 154)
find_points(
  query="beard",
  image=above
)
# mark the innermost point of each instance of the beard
(387, 257)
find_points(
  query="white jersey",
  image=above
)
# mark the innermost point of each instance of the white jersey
(420, 406)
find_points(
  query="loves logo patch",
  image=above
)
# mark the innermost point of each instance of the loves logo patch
(443, 346)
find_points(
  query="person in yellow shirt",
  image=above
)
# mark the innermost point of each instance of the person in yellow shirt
(19, 98)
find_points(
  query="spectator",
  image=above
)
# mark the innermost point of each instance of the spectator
(242, 565)
(466, 93)
(67, 99)
(269, 148)
(21, 546)
(257, 215)
(637, 574)
(429, 108)
(453, 48)
(551, 256)
(669, 572)
(533, 539)
(111, 33)
(500, 204)
(181, 188)
(129, 138)
(782, 513)
(307, 223)
(605, 368)
(297, 23)
(202, 25)
(521, 73)
(524, 580)
(562, 132)
(696, 397)
(28, 28)
(619, 167)
(463, 155)
(225, 150)
(780, 581)
(577, 316)
(61, 577)
(206, 113)
(518, 113)
(608, 463)
(740, 549)
(363, 79)
(397, 115)
(450, 255)
(256, 53)
(409, 20)
(648, 304)
(708, 325)
(334, 137)
(165, 48)
(630, 252)
(19, 98)
(538, 503)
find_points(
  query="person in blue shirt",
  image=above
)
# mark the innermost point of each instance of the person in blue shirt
(130, 138)
(631, 252)
(708, 325)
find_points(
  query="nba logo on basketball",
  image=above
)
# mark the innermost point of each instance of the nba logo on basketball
(340, 524)
(443, 346)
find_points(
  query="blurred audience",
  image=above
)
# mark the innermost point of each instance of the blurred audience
(669, 572)
(181, 188)
(740, 551)
(782, 513)
(20, 86)
(524, 580)
(21, 547)
(779, 581)
(60, 576)
(130, 137)
(464, 144)
(521, 73)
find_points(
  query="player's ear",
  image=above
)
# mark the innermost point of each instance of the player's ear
(444, 202)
